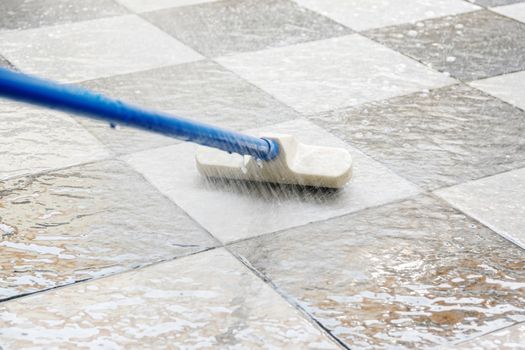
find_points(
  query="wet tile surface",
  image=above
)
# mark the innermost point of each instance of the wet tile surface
(496, 201)
(85, 222)
(516, 11)
(511, 338)
(5, 63)
(406, 275)
(509, 87)
(201, 90)
(24, 14)
(34, 139)
(491, 3)
(354, 70)
(469, 46)
(260, 208)
(223, 27)
(151, 5)
(436, 138)
(93, 49)
(367, 14)
(212, 301)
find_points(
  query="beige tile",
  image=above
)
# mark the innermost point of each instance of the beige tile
(208, 300)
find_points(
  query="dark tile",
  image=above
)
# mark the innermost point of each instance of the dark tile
(437, 138)
(469, 46)
(223, 27)
(200, 90)
(23, 14)
(403, 276)
(84, 222)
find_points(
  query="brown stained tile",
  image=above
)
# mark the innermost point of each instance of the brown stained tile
(224, 27)
(206, 301)
(469, 46)
(85, 222)
(407, 275)
(437, 138)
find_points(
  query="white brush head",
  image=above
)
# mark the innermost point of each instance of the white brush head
(296, 164)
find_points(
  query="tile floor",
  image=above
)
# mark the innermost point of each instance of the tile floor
(109, 238)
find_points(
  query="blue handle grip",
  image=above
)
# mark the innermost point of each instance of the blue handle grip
(38, 91)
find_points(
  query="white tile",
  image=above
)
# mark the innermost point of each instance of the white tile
(236, 211)
(495, 201)
(93, 49)
(35, 139)
(516, 11)
(334, 73)
(510, 338)
(509, 87)
(205, 301)
(367, 14)
(152, 5)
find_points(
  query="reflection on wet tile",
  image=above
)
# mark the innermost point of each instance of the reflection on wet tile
(263, 208)
(496, 201)
(34, 139)
(509, 87)
(93, 49)
(511, 338)
(470, 46)
(151, 5)
(406, 275)
(23, 14)
(223, 27)
(208, 300)
(200, 90)
(491, 3)
(367, 14)
(85, 222)
(437, 138)
(333, 73)
(516, 11)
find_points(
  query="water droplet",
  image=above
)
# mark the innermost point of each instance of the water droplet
(412, 33)
(451, 59)
(259, 163)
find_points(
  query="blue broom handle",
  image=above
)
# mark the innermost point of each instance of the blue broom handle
(69, 98)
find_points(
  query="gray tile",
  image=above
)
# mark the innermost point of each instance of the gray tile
(368, 14)
(492, 3)
(496, 201)
(205, 301)
(84, 222)
(200, 90)
(219, 28)
(152, 5)
(233, 211)
(508, 87)
(23, 14)
(510, 338)
(93, 49)
(516, 11)
(406, 275)
(469, 46)
(34, 139)
(437, 138)
(333, 73)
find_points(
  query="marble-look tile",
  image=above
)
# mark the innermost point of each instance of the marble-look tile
(200, 90)
(516, 11)
(470, 46)
(492, 3)
(508, 87)
(496, 201)
(233, 211)
(152, 5)
(208, 300)
(436, 138)
(35, 139)
(24, 14)
(406, 275)
(333, 73)
(223, 27)
(93, 49)
(510, 338)
(84, 222)
(5, 63)
(368, 14)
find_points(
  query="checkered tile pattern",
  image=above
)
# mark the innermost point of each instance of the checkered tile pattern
(425, 247)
